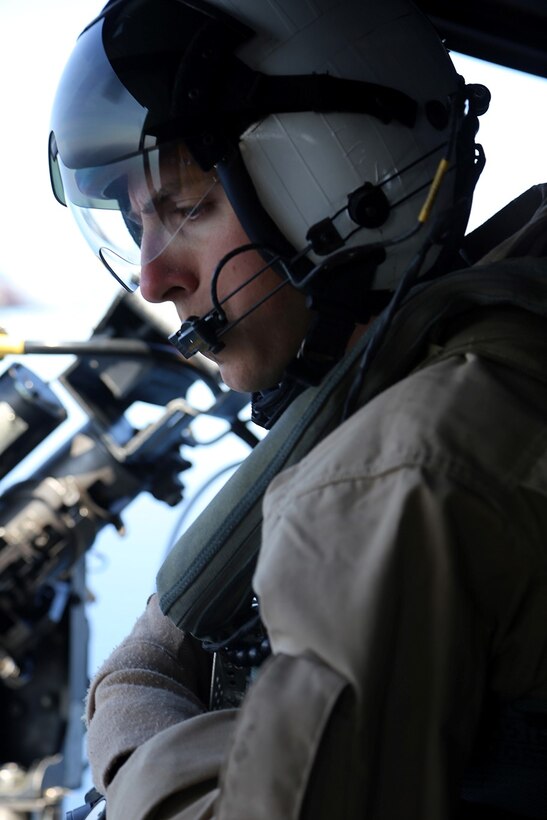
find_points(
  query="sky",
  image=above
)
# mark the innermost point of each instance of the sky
(40, 253)
(44, 258)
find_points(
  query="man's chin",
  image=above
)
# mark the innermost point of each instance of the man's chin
(237, 378)
(234, 383)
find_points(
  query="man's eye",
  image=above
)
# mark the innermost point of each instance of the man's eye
(186, 212)
(174, 216)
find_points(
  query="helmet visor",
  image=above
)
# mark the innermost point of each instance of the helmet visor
(129, 211)
(113, 159)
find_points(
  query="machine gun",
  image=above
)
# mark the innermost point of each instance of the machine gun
(49, 522)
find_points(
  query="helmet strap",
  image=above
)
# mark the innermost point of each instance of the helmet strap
(340, 297)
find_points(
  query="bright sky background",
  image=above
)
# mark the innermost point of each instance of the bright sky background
(40, 250)
(43, 256)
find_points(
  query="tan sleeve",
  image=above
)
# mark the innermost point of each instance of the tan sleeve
(251, 764)
(150, 682)
(174, 775)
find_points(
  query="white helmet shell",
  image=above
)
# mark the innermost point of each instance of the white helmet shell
(304, 165)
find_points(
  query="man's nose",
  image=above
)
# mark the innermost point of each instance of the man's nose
(164, 277)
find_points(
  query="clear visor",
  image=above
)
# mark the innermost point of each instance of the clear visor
(129, 211)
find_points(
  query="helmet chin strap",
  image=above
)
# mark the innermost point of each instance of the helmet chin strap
(335, 314)
(334, 320)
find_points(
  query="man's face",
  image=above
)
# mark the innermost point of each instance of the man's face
(187, 226)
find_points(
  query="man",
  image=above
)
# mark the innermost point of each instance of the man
(370, 588)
